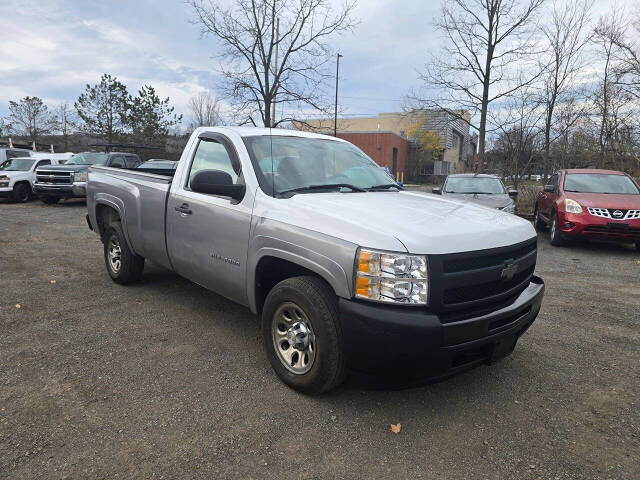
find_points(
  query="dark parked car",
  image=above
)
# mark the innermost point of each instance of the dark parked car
(158, 165)
(485, 190)
(54, 183)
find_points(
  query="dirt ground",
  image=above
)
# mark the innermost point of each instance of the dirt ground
(167, 380)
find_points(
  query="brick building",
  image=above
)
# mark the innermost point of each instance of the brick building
(459, 145)
(387, 149)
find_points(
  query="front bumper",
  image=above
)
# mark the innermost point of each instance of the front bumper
(6, 192)
(74, 190)
(589, 226)
(406, 343)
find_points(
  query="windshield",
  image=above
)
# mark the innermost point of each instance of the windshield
(485, 185)
(17, 165)
(287, 163)
(88, 158)
(599, 183)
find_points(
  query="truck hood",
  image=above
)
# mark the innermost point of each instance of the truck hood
(606, 200)
(65, 168)
(411, 221)
(492, 201)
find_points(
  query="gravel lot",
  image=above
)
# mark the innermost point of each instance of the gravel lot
(167, 380)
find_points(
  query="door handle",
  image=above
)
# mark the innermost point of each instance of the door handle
(184, 209)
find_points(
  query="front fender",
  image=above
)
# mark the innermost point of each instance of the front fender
(330, 258)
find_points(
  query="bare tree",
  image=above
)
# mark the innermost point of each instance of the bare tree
(562, 63)
(30, 117)
(520, 124)
(65, 122)
(487, 42)
(205, 110)
(612, 99)
(252, 31)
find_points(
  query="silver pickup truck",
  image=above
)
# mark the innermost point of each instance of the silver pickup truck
(347, 270)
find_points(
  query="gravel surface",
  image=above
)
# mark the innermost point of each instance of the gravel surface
(167, 380)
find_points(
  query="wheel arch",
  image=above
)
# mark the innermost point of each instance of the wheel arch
(274, 266)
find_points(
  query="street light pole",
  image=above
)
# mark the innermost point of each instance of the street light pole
(335, 111)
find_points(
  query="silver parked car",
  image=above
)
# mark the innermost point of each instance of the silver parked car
(483, 189)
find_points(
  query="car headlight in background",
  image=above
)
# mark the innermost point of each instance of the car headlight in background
(571, 206)
(4, 181)
(391, 277)
(80, 176)
(511, 208)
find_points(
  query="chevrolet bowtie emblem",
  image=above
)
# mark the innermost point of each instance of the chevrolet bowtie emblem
(509, 271)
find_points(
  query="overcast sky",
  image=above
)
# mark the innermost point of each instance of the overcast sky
(51, 49)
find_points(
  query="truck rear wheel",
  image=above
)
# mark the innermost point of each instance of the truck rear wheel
(302, 336)
(124, 266)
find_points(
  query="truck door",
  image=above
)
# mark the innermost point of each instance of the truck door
(207, 235)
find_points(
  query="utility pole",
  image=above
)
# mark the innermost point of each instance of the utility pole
(335, 111)
(275, 88)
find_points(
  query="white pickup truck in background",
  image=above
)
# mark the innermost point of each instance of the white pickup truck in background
(17, 174)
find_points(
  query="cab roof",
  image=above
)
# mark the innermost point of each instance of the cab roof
(593, 170)
(260, 131)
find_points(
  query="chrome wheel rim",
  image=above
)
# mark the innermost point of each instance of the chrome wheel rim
(293, 338)
(114, 255)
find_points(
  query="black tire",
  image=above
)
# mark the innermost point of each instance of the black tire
(21, 193)
(128, 266)
(319, 305)
(554, 233)
(638, 246)
(49, 200)
(538, 223)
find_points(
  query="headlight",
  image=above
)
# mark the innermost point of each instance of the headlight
(571, 206)
(80, 176)
(4, 178)
(511, 208)
(391, 277)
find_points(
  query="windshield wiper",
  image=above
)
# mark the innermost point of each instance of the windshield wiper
(385, 186)
(327, 186)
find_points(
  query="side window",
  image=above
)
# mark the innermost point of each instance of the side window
(42, 163)
(132, 161)
(117, 162)
(212, 155)
(553, 181)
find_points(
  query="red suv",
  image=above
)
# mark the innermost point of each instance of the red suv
(590, 203)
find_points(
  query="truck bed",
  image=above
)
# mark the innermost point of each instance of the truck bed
(143, 196)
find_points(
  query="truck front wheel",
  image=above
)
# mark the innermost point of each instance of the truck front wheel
(123, 265)
(302, 336)
(21, 193)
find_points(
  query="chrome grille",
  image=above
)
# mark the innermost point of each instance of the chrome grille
(609, 213)
(54, 177)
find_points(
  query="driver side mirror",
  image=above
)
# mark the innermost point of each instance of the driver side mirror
(217, 182)
(513, 193)
(549, 188)
(437, 190)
